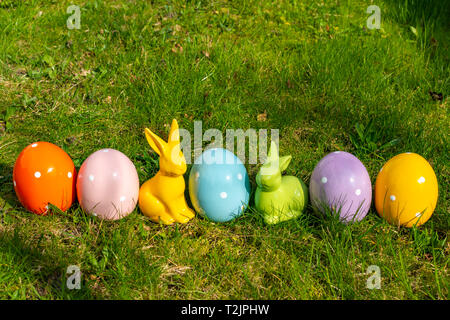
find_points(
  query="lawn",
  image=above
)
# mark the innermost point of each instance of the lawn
(311, 69)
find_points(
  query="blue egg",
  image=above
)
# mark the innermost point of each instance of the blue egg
(219, 186)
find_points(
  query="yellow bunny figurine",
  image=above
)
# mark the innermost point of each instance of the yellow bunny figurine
(162, 197)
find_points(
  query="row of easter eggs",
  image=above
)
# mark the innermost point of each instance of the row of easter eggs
(107, 185)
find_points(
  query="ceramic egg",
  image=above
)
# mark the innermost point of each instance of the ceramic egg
(44, 173)
(406, 190)
(108, 185)
(340, 182)
(219, 185)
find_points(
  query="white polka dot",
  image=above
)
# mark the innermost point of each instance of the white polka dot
(228, 177)
(239, 176)
(324, 180)
(421, 180)
(69, 175)
(352, 180)
(337, 152)
(50, 170)
(37, 174)
(392, 198)
(91, 177)
(105, 150)
(114, 174)
(223, 195)
(418, 214)
(34, 145)
(15, 184)
(358, 192)
(122, 198)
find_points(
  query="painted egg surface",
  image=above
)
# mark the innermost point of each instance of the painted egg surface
(108, 185)
(406, 190)
(219, 185)
(341, 182)
(44, 173)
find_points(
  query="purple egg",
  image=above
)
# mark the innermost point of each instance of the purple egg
(341, 182)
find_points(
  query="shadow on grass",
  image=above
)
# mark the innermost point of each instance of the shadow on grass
(8, 198)
(427, 19)
(417, 12)
(34, 273)
(26, 267)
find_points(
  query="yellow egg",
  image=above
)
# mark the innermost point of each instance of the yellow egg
(406, 190)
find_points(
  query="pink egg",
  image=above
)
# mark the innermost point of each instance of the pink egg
(108, 185)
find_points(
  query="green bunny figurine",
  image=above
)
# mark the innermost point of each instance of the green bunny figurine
(279, 198)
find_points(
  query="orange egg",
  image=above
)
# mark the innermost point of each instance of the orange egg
(43, 174)
(406, 190)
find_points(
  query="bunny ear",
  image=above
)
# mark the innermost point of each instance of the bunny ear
(273, 152)
(174, 134)
(157, 144)
(284, 162)
(271, 166)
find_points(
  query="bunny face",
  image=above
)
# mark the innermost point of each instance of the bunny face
(269, 177)
(171, 161)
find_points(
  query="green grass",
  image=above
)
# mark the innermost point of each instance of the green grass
(316, 71)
